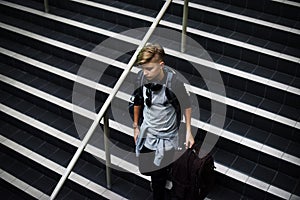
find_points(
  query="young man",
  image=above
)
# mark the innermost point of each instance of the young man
(157, 137)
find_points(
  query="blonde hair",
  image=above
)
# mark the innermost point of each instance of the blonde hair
(148, 52)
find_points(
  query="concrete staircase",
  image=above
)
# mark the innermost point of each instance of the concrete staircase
(255, 47)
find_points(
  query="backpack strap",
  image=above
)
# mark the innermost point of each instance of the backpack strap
(170, 73)
(171, 97)
(169, 80)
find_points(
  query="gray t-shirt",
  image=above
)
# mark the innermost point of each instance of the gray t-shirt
(159, 130)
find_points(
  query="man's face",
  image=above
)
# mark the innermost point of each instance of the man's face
(153, 70)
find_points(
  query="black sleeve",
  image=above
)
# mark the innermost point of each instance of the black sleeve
(138, 96)
(138, 92)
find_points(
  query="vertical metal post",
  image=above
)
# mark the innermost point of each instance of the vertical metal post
(184, 25)
(46, 5)
(107, 150)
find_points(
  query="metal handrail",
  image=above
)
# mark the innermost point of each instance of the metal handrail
(109, 100)
(107, 150)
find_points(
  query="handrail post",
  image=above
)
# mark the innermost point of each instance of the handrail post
(46, 6)
(184, 25)
(107, 150)
(108, 101)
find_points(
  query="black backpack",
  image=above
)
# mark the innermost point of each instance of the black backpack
(193, 177)
(170, 95)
